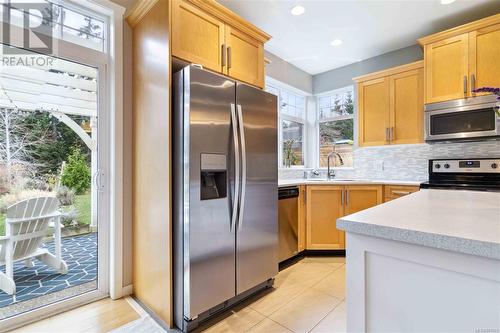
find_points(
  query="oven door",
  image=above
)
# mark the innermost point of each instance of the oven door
(464, 122)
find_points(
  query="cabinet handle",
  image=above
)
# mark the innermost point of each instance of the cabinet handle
(465, 84)
(472, 82)
(346, 198)
(223, 55)
(387, 138)
(342, 198)
(391, 134)
(401, 192)
(229, 56)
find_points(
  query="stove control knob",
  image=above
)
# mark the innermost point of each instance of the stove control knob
(446, 166)
(437, 166)
(494, 165)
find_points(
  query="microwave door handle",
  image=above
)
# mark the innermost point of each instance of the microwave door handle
(243, 167)
(234, 125)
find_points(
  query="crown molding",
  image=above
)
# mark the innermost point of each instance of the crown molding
(141, 8)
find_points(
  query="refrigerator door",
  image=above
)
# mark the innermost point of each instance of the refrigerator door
(257, 228)
(209, 242)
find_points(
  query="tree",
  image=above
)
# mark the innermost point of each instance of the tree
(76, 175)
(90, 29)
(17, 144)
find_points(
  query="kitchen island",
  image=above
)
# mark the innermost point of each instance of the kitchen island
(429, 261)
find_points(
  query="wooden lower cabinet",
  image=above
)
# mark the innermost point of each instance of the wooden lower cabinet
(326, 203)
(392, 192)
(324, 207)
(362, 197)
(302, 219)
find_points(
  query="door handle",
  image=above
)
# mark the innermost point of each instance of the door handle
(223, 53)
(387, 134)
(234, 124)
(243, 166)
(401, 192)
(346, 198)
(465, 84)
(472, 83)
(342, 198)
(391, 134)
(229, 58)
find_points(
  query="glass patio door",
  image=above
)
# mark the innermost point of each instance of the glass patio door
(51, 125)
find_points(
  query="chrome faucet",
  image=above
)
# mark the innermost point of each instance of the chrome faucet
(331, 174)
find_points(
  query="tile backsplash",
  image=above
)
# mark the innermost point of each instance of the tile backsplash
(404, 162)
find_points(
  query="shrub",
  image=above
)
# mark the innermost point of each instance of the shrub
(68, 219)
(76, 174)
(66, 196)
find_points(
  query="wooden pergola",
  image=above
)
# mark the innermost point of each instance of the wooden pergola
(61, 88)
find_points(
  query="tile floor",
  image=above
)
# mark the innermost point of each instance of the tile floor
(309, 296)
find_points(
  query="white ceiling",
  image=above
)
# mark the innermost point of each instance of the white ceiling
(367, 27)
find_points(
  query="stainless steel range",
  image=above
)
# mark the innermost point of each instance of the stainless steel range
(225, 193)
(477, 174)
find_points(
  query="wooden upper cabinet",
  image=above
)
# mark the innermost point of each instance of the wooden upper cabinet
(446, 69)
(197, 37)
(206, 33)
(406, 107)
(373, 102)
(461, 59)
(361, 197)
(245, 57)
(484, 57)
(324, 207)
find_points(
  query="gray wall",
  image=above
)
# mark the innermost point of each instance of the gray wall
(342, 77)
(287, 73)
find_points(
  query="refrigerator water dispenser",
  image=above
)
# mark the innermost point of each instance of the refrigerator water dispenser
(213, 176)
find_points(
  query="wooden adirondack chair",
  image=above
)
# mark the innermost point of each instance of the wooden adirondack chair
(26, 225)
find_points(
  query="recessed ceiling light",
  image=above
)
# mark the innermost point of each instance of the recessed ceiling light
(336, 42)
(298, 10)
(447, 2)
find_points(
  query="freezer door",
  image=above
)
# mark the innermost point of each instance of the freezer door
(209, 242)
(257, 229)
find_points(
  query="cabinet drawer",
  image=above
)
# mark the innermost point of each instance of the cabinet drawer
(392, 192)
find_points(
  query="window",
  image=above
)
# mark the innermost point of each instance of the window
(66, 21)
(336, 127)
(292, 114)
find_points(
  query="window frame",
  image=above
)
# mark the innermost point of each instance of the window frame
(280, 86)
(318, 121)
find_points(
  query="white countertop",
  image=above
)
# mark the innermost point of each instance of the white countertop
(293, 182)
(461, 221)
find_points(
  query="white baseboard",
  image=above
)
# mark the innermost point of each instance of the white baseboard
(127, 290)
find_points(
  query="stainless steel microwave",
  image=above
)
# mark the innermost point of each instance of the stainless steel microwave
(462, 119)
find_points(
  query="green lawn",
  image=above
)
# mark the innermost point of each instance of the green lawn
(81, 205)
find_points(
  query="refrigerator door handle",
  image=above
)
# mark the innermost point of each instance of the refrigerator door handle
(243, 167)
(234, 125)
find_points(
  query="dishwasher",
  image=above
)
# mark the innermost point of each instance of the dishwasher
(288, 217)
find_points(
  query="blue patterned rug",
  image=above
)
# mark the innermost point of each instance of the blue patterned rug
(79, 252)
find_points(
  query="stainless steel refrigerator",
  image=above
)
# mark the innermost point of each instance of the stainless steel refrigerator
(225, 193)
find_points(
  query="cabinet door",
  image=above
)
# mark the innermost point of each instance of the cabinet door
(362, 197)
(373, 106)
(446, 67)
(302, 219)
(407, 107)
(197, 37)
(324, 207)
(245, 57)
(484, 57)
